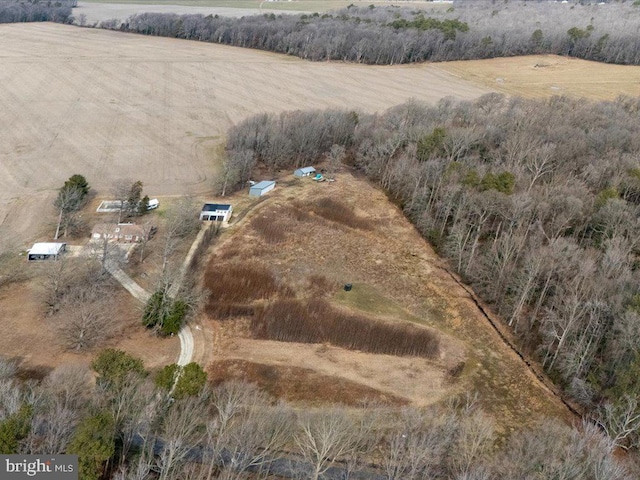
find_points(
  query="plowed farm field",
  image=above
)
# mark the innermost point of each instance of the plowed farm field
(112, 106)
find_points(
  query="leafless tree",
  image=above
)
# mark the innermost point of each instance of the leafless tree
(181, 430)
(70, 384)
(148, 229)
(325, 436)
(621, 421)
(56, 279)
(68, 202)
(105, 248)
(416, 446)
(84, 319)
(182, 220)
(120, 192)
(474, 438)
(335, 158)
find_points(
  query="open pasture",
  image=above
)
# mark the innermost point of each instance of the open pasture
(110, 105)
(534, 76)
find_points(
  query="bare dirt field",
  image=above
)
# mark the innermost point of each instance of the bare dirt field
(111, 105)
(92, 13)
(396, 278)
(98, 10)
(534, 76)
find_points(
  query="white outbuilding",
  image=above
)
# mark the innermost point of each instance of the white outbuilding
(46, 251)
(304, 172)
(216, 212)
(261, 188)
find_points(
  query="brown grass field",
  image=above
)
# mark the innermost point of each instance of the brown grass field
(397, 279)
(534, 76)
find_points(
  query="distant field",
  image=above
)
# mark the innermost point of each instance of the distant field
(544, 75)
(96, 11)
(296, 5)
(111, 105)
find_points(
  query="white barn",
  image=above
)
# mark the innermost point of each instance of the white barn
(216, 212)
(304, 171)
(261, 188)
(46, 251)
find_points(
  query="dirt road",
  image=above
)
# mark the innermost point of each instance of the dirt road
(185, 335)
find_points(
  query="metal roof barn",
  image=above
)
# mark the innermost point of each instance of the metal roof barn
(304, 171)
(261, 188)
(46, 251)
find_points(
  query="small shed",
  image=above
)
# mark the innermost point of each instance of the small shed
(261, 188)
(304, 172)
(216, 212)
(46, 251)
(120, 232)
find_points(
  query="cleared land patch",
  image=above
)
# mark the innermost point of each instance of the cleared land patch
(535, 76)
(396, 278)
(110, 105)
(296, 384)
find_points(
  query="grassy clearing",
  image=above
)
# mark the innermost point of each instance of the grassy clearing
(296, 384)
(535, 76)
(315, 321)
(368, 299)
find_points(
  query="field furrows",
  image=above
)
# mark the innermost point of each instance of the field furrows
(110, 105)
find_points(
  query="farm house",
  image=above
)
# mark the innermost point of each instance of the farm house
(119, 232)
(216, 212)
(261, 188)
(304, 172)
(46, 251)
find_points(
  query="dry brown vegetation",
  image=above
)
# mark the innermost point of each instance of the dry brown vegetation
(296, 384)
(337, 211)
(270, 228)
(316, 321)
(534, 76)
(238, 285)
(397, 280)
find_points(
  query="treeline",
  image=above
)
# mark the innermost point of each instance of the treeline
(536, 204)
(13, 11)
(392, 35)
(132, 424)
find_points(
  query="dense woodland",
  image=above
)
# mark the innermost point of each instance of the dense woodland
(392, 35)
(13, 11)
(535, 203)
(131, 425)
